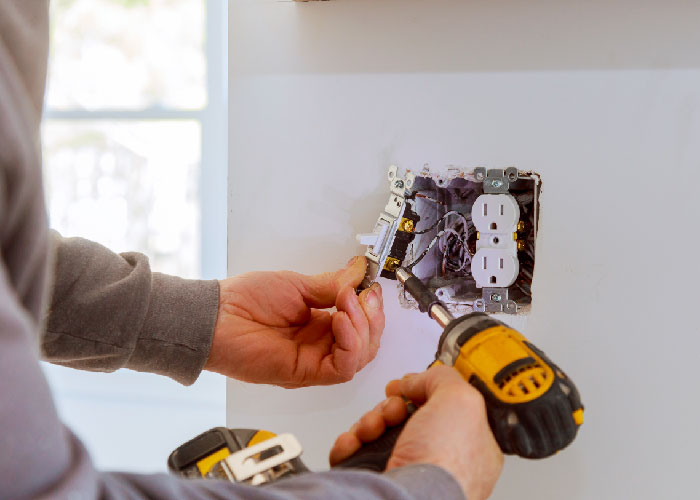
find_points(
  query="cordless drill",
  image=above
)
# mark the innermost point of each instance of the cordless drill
(533, 408)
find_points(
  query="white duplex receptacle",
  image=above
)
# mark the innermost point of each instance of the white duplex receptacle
(495, 263)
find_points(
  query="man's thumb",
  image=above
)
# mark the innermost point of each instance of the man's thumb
(320, 291)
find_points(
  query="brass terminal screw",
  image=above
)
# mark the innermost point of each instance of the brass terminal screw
(392, 264)
(407, 226)
(521, 245)
(521, 225)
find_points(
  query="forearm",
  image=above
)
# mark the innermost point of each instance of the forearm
(109, 311)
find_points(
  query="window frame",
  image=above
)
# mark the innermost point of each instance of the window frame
(213, 122)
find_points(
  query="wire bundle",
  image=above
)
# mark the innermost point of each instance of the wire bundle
(452, 243)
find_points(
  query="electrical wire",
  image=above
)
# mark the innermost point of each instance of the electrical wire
(461, 238)
(456, 245)
(426, 197)
(441, 219)
(427, 249)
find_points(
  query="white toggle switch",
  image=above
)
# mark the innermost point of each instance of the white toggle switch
(368, 239)
(376, 239)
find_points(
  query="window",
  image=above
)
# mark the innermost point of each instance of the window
(134, 133)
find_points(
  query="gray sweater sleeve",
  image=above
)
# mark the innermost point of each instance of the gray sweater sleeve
(108, 311)
(415, 482)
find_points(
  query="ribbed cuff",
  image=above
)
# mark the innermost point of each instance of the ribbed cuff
(177, 332)
(427, 481)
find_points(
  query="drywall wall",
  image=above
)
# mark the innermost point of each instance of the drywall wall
(603, 99)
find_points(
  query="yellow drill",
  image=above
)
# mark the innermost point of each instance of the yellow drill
(533, 408)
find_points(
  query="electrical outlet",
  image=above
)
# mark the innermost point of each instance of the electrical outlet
(495, 263)
(468, 234)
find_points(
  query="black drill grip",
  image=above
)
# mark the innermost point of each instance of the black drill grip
(374, 456)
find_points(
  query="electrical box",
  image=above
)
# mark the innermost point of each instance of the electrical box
(469, 235)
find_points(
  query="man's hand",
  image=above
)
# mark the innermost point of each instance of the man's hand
(271, 328)
(449, 429)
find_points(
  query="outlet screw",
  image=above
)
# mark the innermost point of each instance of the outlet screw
(398, 184)
(521, 226)
(496, 297)
(496, 183)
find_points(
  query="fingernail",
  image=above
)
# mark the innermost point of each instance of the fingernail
(372, 300)
(351, 261)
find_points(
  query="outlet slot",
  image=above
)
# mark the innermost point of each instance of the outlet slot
(496, 213)
(499, 267)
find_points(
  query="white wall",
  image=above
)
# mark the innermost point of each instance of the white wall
(603, 100)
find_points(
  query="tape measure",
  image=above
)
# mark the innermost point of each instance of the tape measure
(238, 455)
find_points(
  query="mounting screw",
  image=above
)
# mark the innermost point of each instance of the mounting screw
(398, 184)
(496, 297)
(497, 183)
